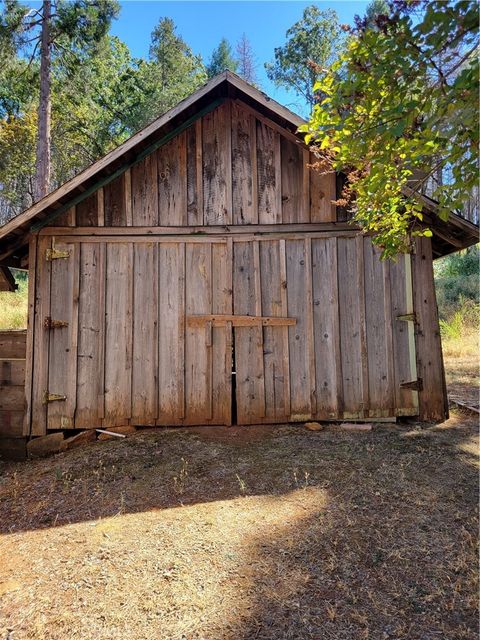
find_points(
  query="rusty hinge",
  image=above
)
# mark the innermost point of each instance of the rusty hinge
(52, 397)
(408, 317)
(56, 254)
(414, 385)
(49, 323)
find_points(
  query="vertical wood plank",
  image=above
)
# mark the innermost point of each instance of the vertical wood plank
(216, 151)
(101, 207)
(433, 405)
(145, 334)
(326, 328)
(197, 301)
(221, 340)
(244, 196)
(29, 352)
(322, 193)
(381, 400)
(91, 326)
(273, 337)
(172, 181)
(41, 339)
(292, 182)
(194, 174)
(62, 370)
(145, 192)
(268, 175)
(310, 344)
(248, 347)
(118, 334)
(127, 193)
(350, 332)
(114, 202)
(285, 331)
(298, 334)
(87, 211)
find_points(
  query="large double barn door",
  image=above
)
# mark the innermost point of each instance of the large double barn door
(200, 330)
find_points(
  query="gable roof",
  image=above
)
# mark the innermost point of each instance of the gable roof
(14, 234)
(224, 85)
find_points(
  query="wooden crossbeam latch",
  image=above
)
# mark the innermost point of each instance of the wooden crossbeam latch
(50, 323)
(238, 321)
(52, 397)
(407, 317)
(414, 385)
(56, 254)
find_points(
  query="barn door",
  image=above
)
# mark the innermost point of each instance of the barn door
(61, 325)
(262, 366)
(208, 334)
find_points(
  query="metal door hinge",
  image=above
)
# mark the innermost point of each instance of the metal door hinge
(52, 397)
(49, 323)
(414, 385)
(408, 317)
(56, 254)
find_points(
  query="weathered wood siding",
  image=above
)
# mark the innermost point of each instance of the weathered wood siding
(150, 323)
(232, 166)
(12, 383)
(173, 265)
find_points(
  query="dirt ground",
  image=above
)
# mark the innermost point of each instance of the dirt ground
(230, 534)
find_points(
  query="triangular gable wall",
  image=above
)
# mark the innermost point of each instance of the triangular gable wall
(232, 166)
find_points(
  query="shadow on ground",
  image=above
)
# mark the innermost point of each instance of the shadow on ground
(231, 534)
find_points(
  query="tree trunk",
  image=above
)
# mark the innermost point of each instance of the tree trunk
(42, 173)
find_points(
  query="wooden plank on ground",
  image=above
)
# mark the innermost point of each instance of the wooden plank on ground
(172, 181)
(326, 328)
(118, 334)
(145, 334)
(91, 333)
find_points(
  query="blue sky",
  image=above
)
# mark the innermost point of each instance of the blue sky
(203, 24)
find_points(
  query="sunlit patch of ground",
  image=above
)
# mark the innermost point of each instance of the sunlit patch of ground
(462, 368)
(296, 534)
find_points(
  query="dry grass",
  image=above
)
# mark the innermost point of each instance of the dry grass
(13, 308)
(462, 367)
(226, 534)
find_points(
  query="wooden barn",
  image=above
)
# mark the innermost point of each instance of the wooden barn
(200, 274)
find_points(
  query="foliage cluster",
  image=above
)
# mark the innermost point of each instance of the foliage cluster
(399, 105)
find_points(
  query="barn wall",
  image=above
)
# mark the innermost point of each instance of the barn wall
(12, 394)
(231, 167)
(332, 343)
